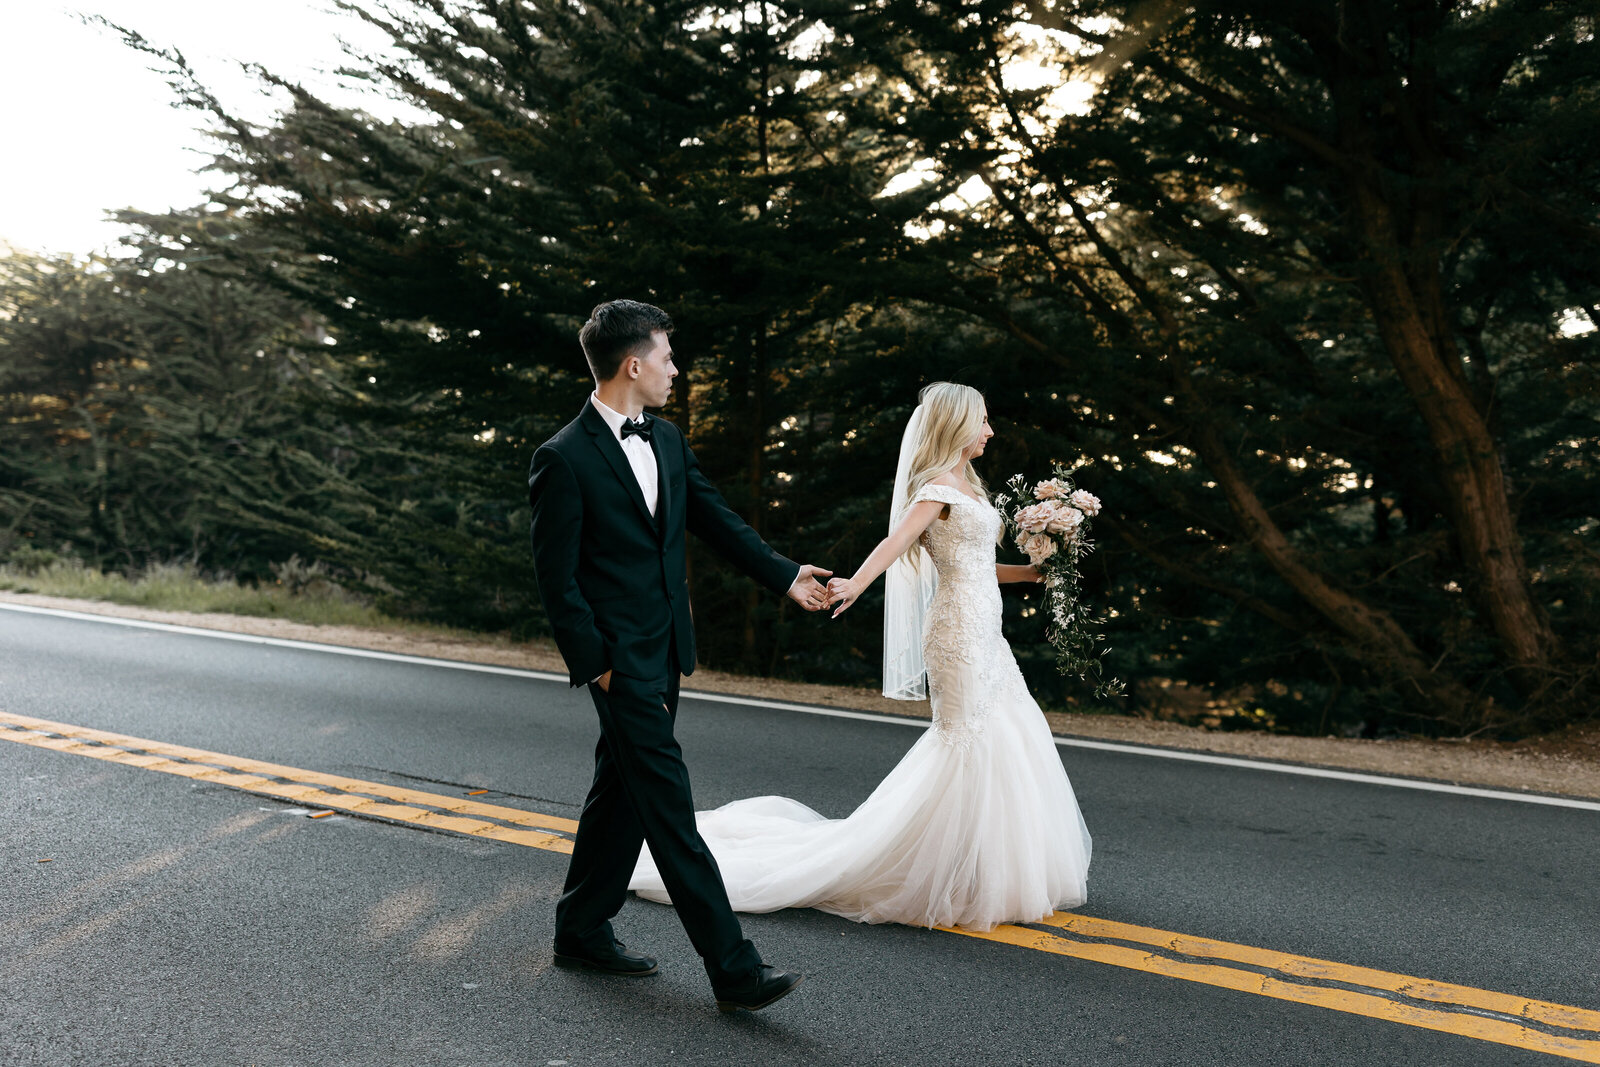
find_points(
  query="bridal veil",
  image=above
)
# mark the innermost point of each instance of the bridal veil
(908, 587)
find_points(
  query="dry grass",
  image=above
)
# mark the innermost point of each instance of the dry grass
(175, 587)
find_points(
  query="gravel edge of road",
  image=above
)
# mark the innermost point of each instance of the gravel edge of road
(1568, 765)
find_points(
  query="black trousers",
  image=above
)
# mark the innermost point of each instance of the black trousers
(641, 795)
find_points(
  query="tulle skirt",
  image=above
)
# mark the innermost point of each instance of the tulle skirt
(972, 833)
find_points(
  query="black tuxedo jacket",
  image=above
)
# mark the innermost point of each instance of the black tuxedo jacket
(612, 578)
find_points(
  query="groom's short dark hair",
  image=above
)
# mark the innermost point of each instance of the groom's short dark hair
(614, 330)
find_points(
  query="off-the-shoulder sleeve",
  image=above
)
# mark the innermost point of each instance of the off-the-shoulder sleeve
(944, 494)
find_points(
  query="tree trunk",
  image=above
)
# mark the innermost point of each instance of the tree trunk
(1466, 454)
(1391, 142)
(1374, 633)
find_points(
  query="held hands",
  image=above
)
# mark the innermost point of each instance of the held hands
(807, 591)
(842, 592)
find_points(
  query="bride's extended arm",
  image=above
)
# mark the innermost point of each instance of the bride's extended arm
(1016, 572)
(844, 591)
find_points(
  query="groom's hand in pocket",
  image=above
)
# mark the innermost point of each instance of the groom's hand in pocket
(807, 591)
(604, 682)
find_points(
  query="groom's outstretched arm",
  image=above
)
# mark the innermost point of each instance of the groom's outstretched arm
(556, 531)
(711, 519)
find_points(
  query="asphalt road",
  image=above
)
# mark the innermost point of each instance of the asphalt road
(187, 923)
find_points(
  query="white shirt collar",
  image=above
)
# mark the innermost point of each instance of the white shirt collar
(614, 419)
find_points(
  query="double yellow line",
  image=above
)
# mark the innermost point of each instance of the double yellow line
(1521, 1022)
(373, 800)
(1538, 1025)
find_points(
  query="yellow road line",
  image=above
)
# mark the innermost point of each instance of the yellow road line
(1578, 1039)
(374, 800)
(1537, 1011)
(1540, 1026)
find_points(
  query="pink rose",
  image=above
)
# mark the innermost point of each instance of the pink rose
(1039, 548)
(1065, 521)
(1050, 490)
(1035, 517)
(1087, 503)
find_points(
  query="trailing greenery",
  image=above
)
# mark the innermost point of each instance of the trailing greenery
(1286, 284)
(1051, 521)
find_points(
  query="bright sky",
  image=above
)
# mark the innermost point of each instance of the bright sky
(87, 127)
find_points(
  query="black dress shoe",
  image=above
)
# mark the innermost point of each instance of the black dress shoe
(616, 961)
(768, 985)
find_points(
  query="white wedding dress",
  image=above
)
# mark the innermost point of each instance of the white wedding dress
(977, 825)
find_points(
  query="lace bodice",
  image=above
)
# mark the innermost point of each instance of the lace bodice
(968, 660)
(962, 545)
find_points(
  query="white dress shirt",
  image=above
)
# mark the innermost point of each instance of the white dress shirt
(640, 455)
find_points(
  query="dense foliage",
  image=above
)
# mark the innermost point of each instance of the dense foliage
(1285, 284)
(154, 412)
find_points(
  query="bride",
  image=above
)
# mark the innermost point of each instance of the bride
(977, 825)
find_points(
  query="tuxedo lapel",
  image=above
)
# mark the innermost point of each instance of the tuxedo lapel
(663, 497)
(611, 449)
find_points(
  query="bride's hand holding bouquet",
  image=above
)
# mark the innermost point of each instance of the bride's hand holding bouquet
(1050, 525)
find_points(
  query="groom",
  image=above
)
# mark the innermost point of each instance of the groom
(612, 494)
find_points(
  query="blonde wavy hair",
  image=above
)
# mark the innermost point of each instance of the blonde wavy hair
(952, 418)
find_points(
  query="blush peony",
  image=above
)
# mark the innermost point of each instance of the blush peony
(1034, 518)
(1065, 521)
(1039, 548)
(1055, 487)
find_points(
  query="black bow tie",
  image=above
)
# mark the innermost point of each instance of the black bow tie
(642, 428)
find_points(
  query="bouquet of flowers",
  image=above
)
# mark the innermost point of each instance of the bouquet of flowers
(1050, 523)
